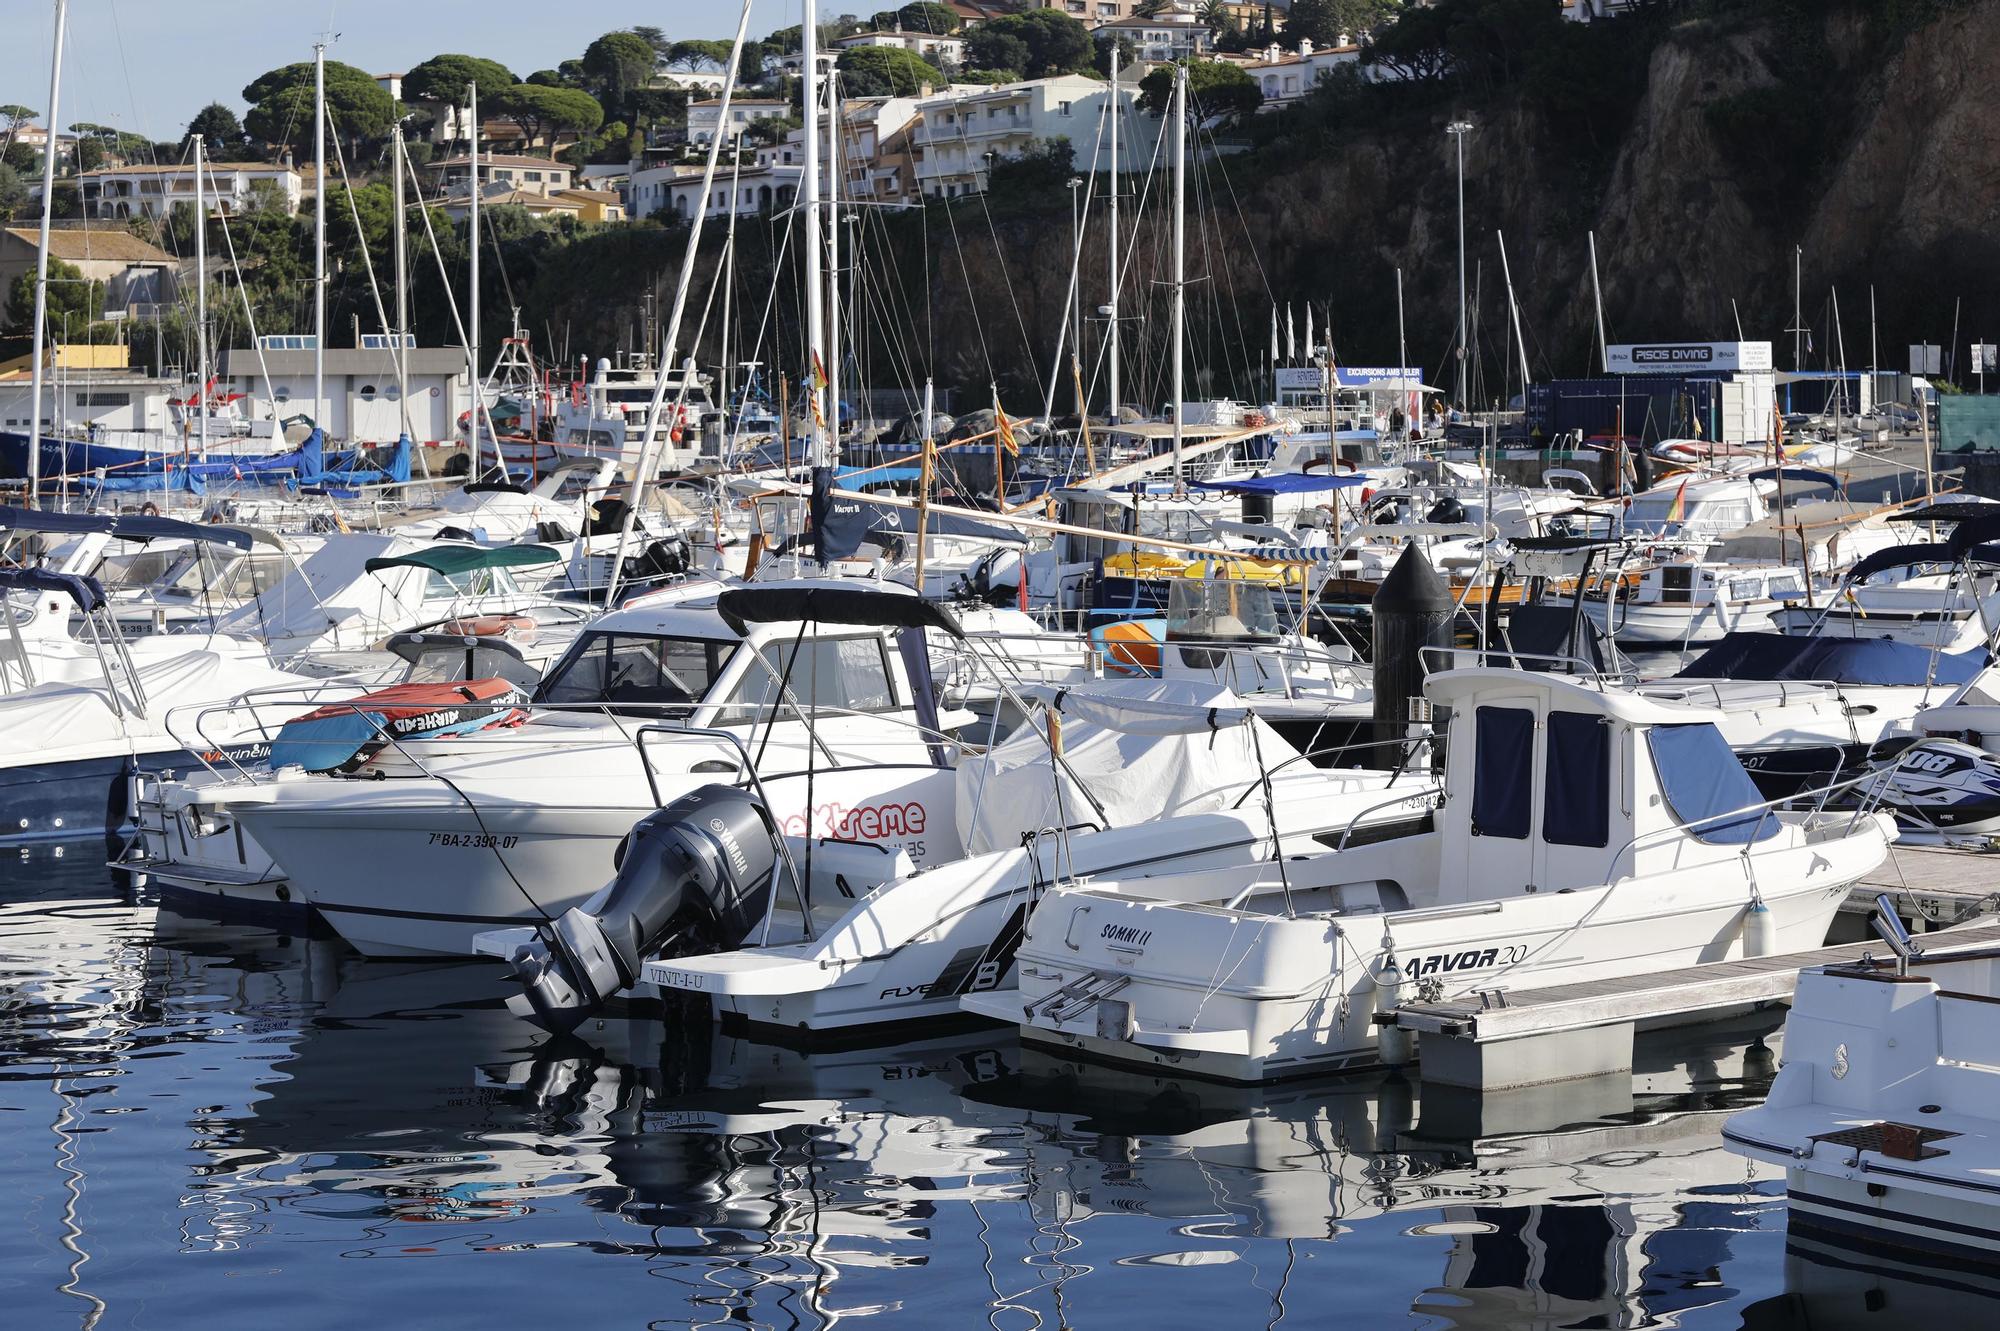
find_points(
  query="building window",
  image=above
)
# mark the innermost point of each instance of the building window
(1062, 108)
(533, 175)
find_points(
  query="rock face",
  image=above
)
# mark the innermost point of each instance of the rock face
(1876, 150)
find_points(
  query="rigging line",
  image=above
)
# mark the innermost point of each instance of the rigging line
(361, 243)
(1007, 283)
(766, 320)
(978, 325)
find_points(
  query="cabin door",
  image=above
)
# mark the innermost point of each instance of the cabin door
(1504, 850)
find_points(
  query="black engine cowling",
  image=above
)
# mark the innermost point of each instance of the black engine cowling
(701, 868)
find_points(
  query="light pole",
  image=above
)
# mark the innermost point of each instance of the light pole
(1458, 129)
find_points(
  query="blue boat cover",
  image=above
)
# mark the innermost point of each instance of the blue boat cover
(86, 592)
(1804, 474)
(1706, 786)
(125, 526)
(1780, 656)
(1973, 531)
(1902, 556)
(1284, 483)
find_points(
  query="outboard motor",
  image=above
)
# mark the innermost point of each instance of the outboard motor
(699, 872)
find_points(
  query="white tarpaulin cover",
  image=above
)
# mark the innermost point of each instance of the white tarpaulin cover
(58, 720)
(332, 601)
(1143, 748)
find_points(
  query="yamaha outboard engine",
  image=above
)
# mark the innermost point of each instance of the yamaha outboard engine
(699, 869)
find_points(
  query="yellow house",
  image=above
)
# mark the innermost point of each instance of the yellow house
(595, 205)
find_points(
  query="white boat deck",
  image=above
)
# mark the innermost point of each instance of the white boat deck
(1523, 1037)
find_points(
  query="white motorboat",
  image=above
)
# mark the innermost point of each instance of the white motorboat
(1694, 601)
(1939, 594)
(187, 843)
(1883, 1115)
(1134, 778)
(426, 843)
(1590, 833)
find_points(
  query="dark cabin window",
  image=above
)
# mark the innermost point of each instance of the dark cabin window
(1577, 808)
(1503, 780)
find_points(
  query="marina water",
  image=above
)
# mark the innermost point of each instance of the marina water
(217, 1124)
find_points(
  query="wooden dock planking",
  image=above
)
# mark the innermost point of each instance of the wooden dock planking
(1931, 873)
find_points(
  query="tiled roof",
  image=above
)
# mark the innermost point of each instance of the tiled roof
(111, 244)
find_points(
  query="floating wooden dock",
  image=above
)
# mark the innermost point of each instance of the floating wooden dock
(1528, 1037)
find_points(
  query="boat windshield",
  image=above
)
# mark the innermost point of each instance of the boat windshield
(639, 673)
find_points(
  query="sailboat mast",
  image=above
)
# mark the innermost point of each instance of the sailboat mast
(42, 261)
(812, 252)
(729, 287)
(402, 275)
(201, 294)
(1111, 309)
(1514, 314)
(319, 239)
(1180, 260)
(472, 243)
(833, 264)
(1597, 296)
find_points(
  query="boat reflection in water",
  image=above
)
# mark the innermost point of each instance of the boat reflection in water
(251, 1124)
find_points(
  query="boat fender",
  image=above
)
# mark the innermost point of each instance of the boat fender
(1760, 930)
(1393, 1044)
(695, 877)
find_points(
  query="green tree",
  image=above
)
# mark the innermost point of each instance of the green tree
(997, 50)
(281, 106)
(886, 71)
(1044, 167)
(1214, 15)
(89, 155)
(445, 78)
(13, 193)
(547, 78)
(1324, 22)
(654, 37)
(537, 109)
(615, 66)
(1054, 43)
(220, 132)
(1215, 87)
(692, 55)
(1415, 47)
(925, 16)
(69, 294)
(23, 159)
(16, 114)
(989, 77)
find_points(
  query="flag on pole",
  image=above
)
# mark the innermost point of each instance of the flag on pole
(1004, 428)
(1274, 335)
(1291, 341)
(1309, 330)
(819, 374)
(1678, 511)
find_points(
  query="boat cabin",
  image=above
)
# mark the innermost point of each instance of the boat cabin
(1557, 784)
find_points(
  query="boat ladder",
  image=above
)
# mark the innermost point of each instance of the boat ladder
(1078, 996)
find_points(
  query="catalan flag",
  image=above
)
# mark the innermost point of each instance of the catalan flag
(819, 374)
(1005, 429)
(1679, 510)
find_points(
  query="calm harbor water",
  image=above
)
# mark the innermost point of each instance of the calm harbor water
(219, 1125)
